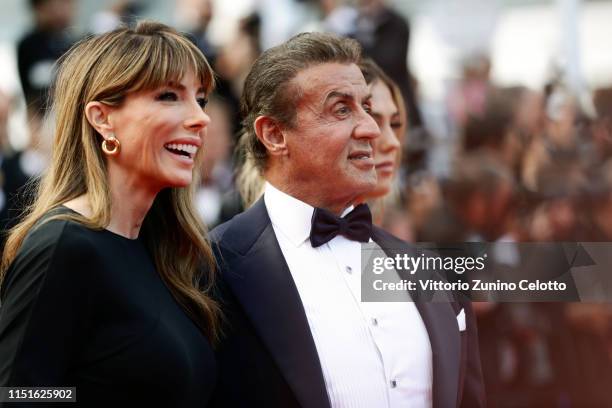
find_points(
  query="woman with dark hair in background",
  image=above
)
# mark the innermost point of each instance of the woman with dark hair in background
(100, 279)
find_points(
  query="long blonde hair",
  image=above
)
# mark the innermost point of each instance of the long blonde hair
(249, 178)
(106, 68)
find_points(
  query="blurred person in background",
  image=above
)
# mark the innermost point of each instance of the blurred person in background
(385, 37)
(216, 198)
(490, 131)
(104, 282)
(468, 97)
(528, 121)
(428, 211)
(120, 12)
(204, 12)
(38, 50)
(560, 134)
(599, 204)
(233, 63)
(562, 113)
(37, 53)
(336, 16)
(602, 128)
(481, 195)
(12, 177)
(528, 110)
(561, 183)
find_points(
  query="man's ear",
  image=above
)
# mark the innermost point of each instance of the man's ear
(97, 115)
(269, 133)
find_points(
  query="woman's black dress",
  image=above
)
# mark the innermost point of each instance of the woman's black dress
(87, 309)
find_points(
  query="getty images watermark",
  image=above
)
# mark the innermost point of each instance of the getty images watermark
(485, 272)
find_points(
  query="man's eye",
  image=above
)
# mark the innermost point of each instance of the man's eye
(167, 96)
(202, 102)
(367, 108)
(343, 110)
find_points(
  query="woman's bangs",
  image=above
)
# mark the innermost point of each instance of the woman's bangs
(169, 61)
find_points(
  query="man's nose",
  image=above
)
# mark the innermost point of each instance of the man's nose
(367, 127)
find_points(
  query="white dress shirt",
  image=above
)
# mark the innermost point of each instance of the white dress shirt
(373, 354)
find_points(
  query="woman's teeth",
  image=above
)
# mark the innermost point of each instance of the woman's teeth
(182, 149)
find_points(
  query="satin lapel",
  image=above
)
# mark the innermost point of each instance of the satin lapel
(262, 283)
(441, 323)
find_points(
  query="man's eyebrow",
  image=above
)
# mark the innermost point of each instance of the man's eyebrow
(344, 95)
(338, 95)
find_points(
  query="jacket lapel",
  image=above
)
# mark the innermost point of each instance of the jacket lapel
(261, 281)
(441, 323)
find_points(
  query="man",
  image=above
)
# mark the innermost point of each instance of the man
(297, 333)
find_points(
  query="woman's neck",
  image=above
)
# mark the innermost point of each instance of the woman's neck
(131, 202)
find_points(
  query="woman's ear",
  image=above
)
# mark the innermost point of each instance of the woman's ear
(97, 115)
(270, 135)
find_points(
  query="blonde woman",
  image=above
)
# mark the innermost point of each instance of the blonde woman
(101, 277)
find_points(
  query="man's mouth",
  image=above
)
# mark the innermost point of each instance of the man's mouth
(186, 150)
(360, 155)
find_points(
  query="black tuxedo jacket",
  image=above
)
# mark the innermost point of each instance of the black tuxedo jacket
(267, 356)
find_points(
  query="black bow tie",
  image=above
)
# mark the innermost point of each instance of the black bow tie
(356, 225)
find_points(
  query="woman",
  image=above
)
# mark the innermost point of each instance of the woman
(389, 112)
(101, 277)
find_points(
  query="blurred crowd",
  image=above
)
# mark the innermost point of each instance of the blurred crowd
(528, 165)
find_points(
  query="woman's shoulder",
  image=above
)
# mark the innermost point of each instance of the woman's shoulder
(57, 239)
(58, 229)
(55, 246)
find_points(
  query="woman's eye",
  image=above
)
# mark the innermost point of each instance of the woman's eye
(202, 102)
(396, 125)
(167, 96)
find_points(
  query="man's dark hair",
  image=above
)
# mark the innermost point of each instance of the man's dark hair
(269, 89)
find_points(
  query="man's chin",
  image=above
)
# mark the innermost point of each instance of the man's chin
(365, 185)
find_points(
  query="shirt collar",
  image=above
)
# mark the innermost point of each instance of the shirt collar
(290, 215)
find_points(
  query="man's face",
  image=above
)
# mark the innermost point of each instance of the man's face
(330, 155)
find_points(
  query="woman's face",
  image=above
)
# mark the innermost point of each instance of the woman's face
(160, 132)
(387, 147)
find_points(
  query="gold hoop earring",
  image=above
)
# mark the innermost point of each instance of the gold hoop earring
(112, 150)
